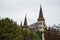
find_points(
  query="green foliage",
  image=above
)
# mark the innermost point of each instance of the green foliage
(27, 35)
(34, 36)
(9, 30)
(39, 34)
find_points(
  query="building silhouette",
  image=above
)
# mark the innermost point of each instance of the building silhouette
(40, 25)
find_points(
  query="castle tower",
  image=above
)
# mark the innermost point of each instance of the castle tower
(25, 26)
(41, 22)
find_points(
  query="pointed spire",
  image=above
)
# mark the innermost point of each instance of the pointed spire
(41, 18)
(25, 22)
(40, 13)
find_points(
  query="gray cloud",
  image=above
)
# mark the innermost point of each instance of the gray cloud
(16, 9)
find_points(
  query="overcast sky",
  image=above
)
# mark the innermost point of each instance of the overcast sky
(16, 10)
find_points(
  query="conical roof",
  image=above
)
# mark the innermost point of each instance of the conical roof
(40, 13)
(41, 18)
(25, 22)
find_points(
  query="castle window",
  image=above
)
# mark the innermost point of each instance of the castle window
(40, 23)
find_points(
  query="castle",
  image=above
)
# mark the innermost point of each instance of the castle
(38, 26)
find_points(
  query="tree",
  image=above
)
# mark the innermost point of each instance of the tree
(9, 30)
(39, 34)
(34, 36)
(28, 35)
